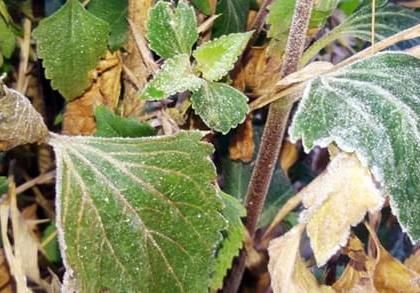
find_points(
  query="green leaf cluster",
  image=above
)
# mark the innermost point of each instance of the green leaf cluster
(7, 35)
(172, 34)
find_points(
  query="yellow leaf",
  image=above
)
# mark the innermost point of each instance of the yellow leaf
(288, 271)
(413, 262)
(336, 200)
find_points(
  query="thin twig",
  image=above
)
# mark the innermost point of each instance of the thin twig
(408, 34)
(25, 46)
(207, 24)
(41, 179)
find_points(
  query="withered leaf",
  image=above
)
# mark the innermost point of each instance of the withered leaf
(79, 115)
(336, 200)
(20, 123)
(241, 146)
(288, 271)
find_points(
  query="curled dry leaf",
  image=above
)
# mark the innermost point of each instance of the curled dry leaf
(5, 277)
(356, 277)
(19, 122)
(241, 146)
(79, 115)
(288, 271)
(336, 200)
(413, 262)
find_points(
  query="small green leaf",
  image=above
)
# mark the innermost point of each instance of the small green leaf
(115, 13)
(172, 32)
(50, 243)
(221, 106)
(203, 6)
(71, 42)
(217, 57)
(137, 214)
(232, 243)
(233, 18)
(175, 76)
(280, 18)
(389, 19)
(3, 185)
(110, 125)
(7, 39)
(371, 107)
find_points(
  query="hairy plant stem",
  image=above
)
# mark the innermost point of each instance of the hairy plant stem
(273, 136)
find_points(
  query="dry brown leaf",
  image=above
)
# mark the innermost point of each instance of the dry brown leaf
(79, 114)
(390, 275)
(288, 271)
(241, 146)
(336, 200)
(288, 156)
(20, 123)
(413, 262)
(356, 278)
(5, 277)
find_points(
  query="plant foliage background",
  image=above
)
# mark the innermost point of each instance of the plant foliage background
(131, 131)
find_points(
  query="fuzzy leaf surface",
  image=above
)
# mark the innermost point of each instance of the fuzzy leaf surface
(110, 125)
(115, 13)
(221, 106)
(203, 6)
(175, 76)
(371, 107)
(171, 31)
(20, 123)
(233, 18)
(71, 42)
(137, 214)
(216, 58)
(232, 243)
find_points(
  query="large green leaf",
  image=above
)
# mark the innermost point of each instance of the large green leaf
(389, 19)
(202, 5)
(71, 42)
(233, 17)
(371, 107)
(115, 13)
(216, 58)
(221, 106)
(171, 32)
(137, 215)
(235, 235)
(280, 19)
(176, 75)
(110, 125)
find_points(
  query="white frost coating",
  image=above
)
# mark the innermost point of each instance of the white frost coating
(69, 282)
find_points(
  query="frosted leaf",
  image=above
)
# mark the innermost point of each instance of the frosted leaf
(71, 42)
(217, 57)
(371, 107)
(232, 243)
(137, 214)
(20, 123)
(174, 77)
(336, 200)
(171, 31)
(221, 106)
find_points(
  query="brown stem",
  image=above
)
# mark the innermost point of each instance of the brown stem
(273, 134)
